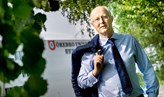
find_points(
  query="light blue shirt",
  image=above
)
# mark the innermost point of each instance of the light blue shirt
(108, 81)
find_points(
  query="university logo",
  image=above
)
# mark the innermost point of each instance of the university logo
(52, 44)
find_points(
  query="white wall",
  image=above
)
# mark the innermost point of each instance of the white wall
(58, 67)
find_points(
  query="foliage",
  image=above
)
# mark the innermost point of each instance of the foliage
(19, 25)
(142, 18)
(160, 75)
(79, 10)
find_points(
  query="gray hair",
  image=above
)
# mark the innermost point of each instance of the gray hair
(104, 7)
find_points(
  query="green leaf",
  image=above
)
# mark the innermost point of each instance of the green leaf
(22, 9)
(9, 41)
(9, 70)
(2, 12)
(40, 18)
(33, 49)
(20, 25)
(36, 86)
(39, 21)
(14, 92)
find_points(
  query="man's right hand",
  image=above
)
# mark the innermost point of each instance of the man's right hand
(98, 64)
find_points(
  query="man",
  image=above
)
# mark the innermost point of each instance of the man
(99, 75)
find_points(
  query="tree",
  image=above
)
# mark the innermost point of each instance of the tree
(141, 18)
(20, 25)
(144, 19)
(79, 10)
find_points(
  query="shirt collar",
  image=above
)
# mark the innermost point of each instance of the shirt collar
(115, 36)
(103, 40)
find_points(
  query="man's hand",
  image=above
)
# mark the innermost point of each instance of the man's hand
(98, 63)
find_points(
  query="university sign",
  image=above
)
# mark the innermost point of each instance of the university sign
(68, 45)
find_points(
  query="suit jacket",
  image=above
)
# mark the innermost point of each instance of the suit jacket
(92, 46)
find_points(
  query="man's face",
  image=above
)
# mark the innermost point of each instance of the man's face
(101, 21)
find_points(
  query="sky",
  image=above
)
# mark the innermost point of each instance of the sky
(58, 27)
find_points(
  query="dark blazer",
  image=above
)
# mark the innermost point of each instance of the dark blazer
(92, 46)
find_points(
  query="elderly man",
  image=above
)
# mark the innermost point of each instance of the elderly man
(107, 63)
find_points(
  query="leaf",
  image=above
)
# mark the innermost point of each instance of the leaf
(14, 92)
(39, 22)
(20, 25)
(33, 49)
(40, 18)
(9, 70)
(22, 9)
(9, 41)
(36, 86)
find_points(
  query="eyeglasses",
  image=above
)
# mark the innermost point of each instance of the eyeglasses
(101, 18)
